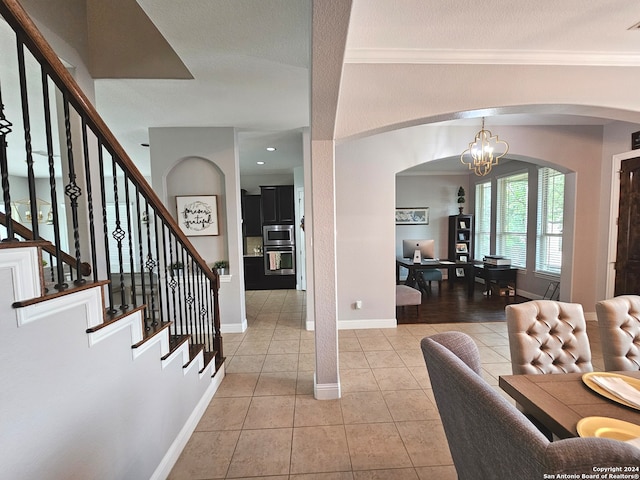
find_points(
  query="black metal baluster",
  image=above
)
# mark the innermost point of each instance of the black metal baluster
(143, 282)
(5, 129)
(140, 248)
(173, 284)
(182, 291)
(150, 264)
(158, 289)
(190, 300)
(87, 176)
(130, 238)
(59, 267)
(26, 123)
(118, 234)
(105, 228)
(72, 190)
(165, 235)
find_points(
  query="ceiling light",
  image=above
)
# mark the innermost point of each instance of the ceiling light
(271, 149)
(260, 163)
(480, 156)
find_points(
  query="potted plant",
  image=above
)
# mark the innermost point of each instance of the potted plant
(461, 199)
(221, 267)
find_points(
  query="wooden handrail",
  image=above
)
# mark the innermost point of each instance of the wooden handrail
(28, 33)
(24, 232)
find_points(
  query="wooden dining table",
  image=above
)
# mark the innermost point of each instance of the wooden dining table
(559, 401)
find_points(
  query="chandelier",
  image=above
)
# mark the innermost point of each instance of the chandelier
(481, 155)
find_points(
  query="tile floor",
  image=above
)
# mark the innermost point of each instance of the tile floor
(263, 422)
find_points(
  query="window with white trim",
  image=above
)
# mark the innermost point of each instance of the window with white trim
(511, 221)
(483, 220)
(550, 220)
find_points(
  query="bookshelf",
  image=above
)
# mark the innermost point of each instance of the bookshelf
(461, 238)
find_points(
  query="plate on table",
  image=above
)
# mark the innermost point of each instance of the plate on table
(587, 378)
(605, 427)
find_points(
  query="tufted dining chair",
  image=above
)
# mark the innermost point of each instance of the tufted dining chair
(547, 336)
(619, 325)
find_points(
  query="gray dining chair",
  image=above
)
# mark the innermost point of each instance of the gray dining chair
(488, 437)
(547, 336)
(619, 326)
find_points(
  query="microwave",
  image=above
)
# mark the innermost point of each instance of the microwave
(277, 235)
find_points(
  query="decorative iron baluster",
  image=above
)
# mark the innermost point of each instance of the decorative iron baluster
(165, 235)
(5, 129)
(72, 190)
(182, 291)
(132, 272)
(158, 289)
(59, 267)
(105, 227)
(118, 234)
(216, 317)
(189, 301)
(173, 284)
(87, 176)
(26, 123)
(150, 264)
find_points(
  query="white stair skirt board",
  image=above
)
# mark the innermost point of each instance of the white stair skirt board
(172, 455)
(326, 391)
(25, 272)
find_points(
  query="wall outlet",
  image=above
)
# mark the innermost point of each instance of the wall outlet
(358, 304)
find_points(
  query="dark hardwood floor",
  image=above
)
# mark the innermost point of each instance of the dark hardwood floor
(453, 306)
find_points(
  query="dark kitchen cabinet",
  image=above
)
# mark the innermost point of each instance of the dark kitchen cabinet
(254, 273)
(277, 204)
(251, 216)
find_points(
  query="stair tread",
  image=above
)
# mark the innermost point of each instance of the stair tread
(50, 295)
(152, 332)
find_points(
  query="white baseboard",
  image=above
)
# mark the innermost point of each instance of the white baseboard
(372, 323)
(234, 327)
(171, 457)
(326, 391)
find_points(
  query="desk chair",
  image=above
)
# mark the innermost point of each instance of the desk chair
(546, 336)
(430, 275)
(488, 437)
(619, 325)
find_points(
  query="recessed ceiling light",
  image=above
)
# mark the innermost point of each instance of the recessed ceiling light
(271, 149)
(260, 163)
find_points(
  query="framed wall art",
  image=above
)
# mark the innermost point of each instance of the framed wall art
(412, 216)
(198, 215)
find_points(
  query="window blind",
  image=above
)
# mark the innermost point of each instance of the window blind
(550, 220)
(483, 220)
(511, 221)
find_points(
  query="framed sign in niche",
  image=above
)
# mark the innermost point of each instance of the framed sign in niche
(198, 215)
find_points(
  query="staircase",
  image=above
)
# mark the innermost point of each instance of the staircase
(109, 357)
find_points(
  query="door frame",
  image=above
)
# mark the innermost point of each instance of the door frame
(614, 208)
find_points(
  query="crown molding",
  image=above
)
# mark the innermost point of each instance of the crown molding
(491, 57)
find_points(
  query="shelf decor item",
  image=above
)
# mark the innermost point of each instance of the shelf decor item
(197, 215)
(461, 199)
(221, 266)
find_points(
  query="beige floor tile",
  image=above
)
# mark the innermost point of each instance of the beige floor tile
(206, 455)
(304, 384)
(284, 346)
(261, 452)
(421, 374)
(224, 413)
(426, 442)
(270, 412)
(421, 331)
(238, 384)
(252, 347)
(286, 362)
(381, 359)
(353, 360)
(408, 405)
(376, 446)
(439, 473)
(375, 343)
(245, 364)
(306, 362)
(393, 474)
(503, 351)
(358, 380)
(306, 457)
(404, 342)
(489, 355)
(395, 379)
(411, 358)
(364, 407)
(370, 333)
(348, 344)
(310, 412)
(491, 339)
(323, 476)
(276, 383)
(307, 345)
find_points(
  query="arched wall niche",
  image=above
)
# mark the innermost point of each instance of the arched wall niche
(199, 176)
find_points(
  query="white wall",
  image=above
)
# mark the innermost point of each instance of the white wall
(365, 227)
(216, 147)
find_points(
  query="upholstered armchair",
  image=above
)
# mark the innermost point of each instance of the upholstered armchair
(488, 437)
(546, 336)
(619, 325)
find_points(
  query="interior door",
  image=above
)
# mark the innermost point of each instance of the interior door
(628, 246)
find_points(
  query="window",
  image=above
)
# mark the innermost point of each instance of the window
(549, 224)
(483, 220)
(511, 222)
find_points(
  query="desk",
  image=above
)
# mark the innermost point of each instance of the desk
(502, 276)
(559, 401)
(413, 279)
